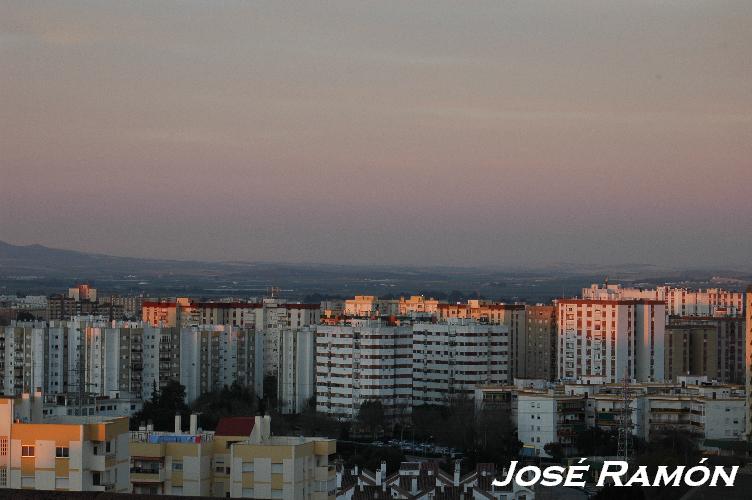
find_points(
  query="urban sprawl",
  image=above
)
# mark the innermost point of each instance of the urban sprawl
(82, 373)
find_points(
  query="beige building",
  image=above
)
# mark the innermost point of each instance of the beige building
(240, 459)
(536, 352)
(706, 346)
(64, 453)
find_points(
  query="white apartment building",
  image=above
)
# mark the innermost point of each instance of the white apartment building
(450, 359)
(697, 408)
(679, 301)
(125, 359)
(610, 339)
(272, 316)
(296, 382)
(366, 360)
(545, 417)
(213, 356)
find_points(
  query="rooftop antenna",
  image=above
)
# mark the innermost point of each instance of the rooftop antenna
(625, 434)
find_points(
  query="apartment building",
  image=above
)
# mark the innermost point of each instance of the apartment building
(712, 413)
(748, 362)
(240, 459)
(700, 409)
(130, 305)
(265, 466)
(450, 359)
(126, 359)
(706, 346)
(370, 306)
(179, 312)
(296, 382)
(43, 407)
(63, 454)
(510, 315)
(210, 357)
(679, 301)
(426, 481)
(548, 417)
(366, 360)
(272, 316)
(417, 304)
(610, 339)
(536, 351)
(60, 307)
(83, 292)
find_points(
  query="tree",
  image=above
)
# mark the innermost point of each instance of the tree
(556, 450)
(371, 415)
(233, 401)
(164, 404)
(596, 442)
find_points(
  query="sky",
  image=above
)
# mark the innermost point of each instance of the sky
(504, 133)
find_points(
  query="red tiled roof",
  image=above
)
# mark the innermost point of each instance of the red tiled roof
(234, 426)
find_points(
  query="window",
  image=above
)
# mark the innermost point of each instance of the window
(177, 465)
(247, 467)
(27, 451)
(62, 452)
(276, 468)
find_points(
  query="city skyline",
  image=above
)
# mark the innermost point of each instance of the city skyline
(409, 134)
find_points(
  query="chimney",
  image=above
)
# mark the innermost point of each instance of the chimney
(267, 427)
(194, 423)
(381, 476)
(457, 471)
(178, 424)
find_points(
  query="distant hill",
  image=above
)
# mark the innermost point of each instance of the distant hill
(40, 269)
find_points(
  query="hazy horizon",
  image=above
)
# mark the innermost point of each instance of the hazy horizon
(423, 133)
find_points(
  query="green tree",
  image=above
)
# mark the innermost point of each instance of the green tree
(161, 409)
(233, 401)
(371, 415)
(556, 450)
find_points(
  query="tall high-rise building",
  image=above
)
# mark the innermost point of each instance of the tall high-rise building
(679, 301)
(296, 380)
(706, 346)
(537, 350)
(367, 360)
(126, 359)
(748, 363)
(83, 292)
(450, 359)
(271, 317)
(610, 339)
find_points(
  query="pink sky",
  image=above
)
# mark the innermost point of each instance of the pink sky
(504, 133)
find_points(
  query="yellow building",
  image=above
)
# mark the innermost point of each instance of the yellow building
(239, 459)
(64, 453)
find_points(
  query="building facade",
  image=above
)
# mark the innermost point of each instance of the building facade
(367, 360)
(706, 346)
(450, 359)
(64, 454)
(610, 339)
